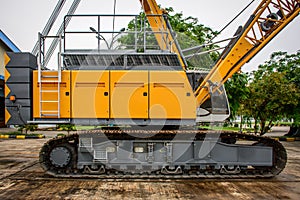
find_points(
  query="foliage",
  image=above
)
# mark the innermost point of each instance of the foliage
(283, 62)
(28, 127)
(136, 35)
(189, 33)
(190, 27)
(273, 92)
(270, 94)
(289, 64)
(237, 92)
(66, 127)
(224, 128)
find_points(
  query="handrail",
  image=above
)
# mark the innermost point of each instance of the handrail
(157, 24)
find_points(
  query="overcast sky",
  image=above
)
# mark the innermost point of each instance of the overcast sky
(21, 20)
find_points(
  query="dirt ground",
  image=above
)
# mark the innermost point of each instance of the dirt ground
(22, 178)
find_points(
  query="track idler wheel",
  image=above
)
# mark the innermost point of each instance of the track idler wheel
(61, 156)
(58, 158)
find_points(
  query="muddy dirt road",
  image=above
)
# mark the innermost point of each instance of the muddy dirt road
(22, 178)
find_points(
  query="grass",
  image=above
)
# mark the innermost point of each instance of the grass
(80, 128)
(19, 133)
(220, 128)
(284, 124)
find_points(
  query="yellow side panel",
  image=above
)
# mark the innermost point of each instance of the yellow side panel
(90, 94)
(129, 94)
(171, 96)
(49, 95)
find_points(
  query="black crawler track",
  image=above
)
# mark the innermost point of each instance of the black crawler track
(71, 142)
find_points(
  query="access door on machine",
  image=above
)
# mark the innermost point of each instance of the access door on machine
(90, 94)
(129, 94)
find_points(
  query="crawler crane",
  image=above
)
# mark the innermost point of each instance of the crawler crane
(145, 97)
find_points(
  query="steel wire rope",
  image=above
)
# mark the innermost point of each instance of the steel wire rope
(241, 12)
(114, 17)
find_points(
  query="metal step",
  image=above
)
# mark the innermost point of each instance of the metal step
(49, 101)
(50, 81)
(49, 115)
(49, 76)
(49, 111)
(49, 91)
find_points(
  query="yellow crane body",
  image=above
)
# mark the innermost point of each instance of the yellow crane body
(115, 94)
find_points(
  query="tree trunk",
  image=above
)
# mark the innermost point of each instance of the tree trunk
(268, 126)
(262, 127)
(255, 126)
(241, 124)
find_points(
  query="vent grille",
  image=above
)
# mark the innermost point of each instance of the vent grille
(74, 61)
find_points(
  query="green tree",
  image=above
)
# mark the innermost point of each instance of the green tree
(189, 33)
(237, 92)
(289, 64)
(190, 27)
(271, 95)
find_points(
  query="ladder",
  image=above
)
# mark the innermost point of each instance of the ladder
(49, 82)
